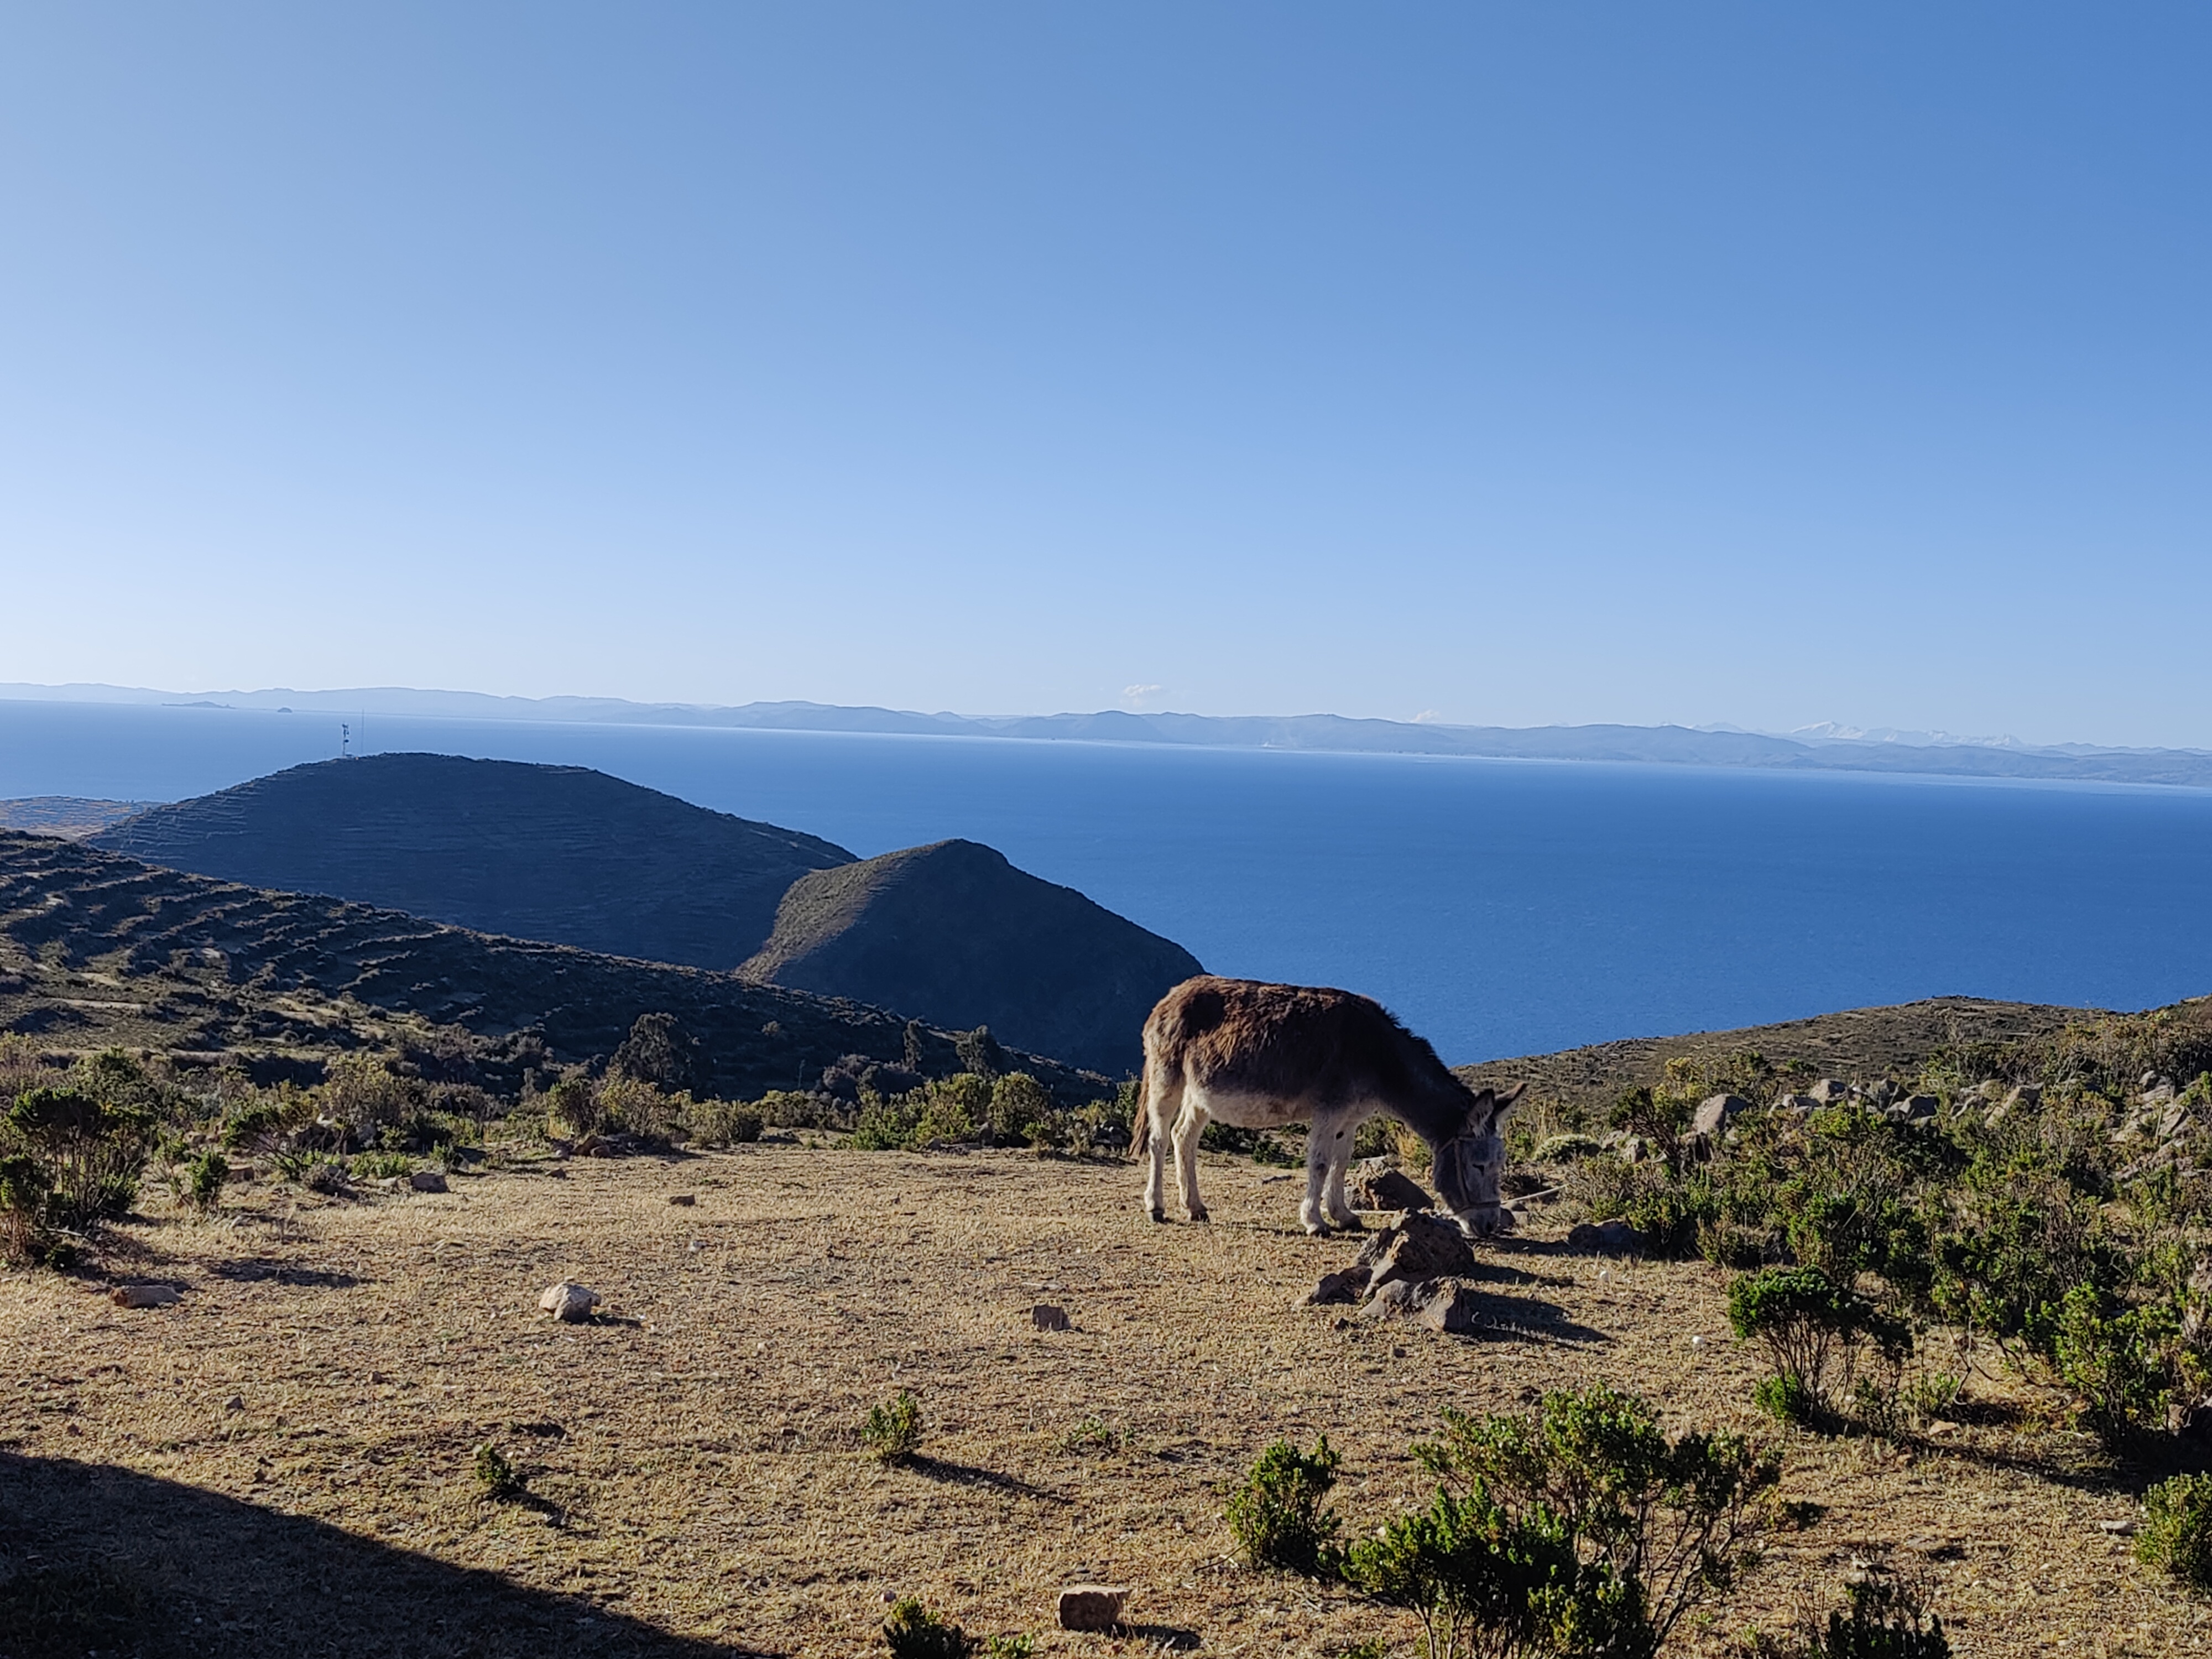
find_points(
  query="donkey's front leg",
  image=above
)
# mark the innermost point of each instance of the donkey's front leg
(1156, 1177)
(1337, 1150)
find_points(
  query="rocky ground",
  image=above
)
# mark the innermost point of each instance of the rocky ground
(282, 1462)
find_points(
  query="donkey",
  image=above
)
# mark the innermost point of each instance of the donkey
(1259, 1056)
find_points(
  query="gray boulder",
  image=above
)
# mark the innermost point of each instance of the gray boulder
(1417, 1246)
(427, 1180)
(569, 1302)
(1797, 1105)
(1830, 1091)
(1442, 1304)
(1372, 1184)
(1713, 1115)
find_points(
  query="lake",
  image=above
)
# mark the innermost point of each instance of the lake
(1499, 907)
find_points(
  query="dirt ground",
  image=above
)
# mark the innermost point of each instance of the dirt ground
(282, 1462)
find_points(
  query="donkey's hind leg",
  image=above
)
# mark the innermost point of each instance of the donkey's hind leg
(1160, 1101)
(1337, 1147)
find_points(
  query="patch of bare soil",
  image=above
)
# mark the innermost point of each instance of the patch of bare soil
(283, 1462)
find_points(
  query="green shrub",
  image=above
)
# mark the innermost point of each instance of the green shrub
(1485, 1582)
(23, 1191)
(887, 1127)
(1018, 1103)
(913, 1632)
(204, 1178)
(86, 1155)
(497, 1477)
(378, 1166)
(892, 1429)
(2177, 1531)
(2117, 1362)
(1018, 1645)
(1784, 1397)
(572, 1109)
(1569, 1148)
(1885, 1618)
(1276, 1515)
(1654, 1524)
(723, 1123)
(1813, 1330)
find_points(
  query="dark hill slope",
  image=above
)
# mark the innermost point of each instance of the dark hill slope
(555, 853)
(956, 934)
(97, 948)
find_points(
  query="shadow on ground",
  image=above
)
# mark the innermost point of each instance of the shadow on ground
(94, 1557)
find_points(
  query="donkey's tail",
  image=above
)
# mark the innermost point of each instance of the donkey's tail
(1140, 1131)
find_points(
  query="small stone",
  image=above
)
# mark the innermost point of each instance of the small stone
(687, 1199)
(2117, 1528)
(569, 1302)
(1045, 1317)
(235, 1403)
(427, 1180)
(1830, 1091)
(1348, 1285)
(1697, 1341)
(1797, 1105)
(1615, 1238)
(144, 1296)
(1916, 1108)
(1092, 1606)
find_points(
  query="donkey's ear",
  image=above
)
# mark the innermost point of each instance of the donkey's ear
(1505, 1102)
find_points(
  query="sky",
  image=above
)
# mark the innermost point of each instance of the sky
(1493, 363)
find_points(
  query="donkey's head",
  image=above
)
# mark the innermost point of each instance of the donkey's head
(1468, 1164)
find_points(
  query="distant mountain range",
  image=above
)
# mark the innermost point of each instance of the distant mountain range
(1827, 747)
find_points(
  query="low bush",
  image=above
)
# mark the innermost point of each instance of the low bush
(2119, 1362)
(1654, 1524)
(913, 1632)
(1885, 1617)
(723, 1123)
(2176, 1536)
(1277, 1516)
(496, 1476)
(206, 1177)
(892, 1429)
(1815, 1330)
(69, 1160)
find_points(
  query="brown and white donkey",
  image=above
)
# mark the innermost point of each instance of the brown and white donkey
(1258, 1056)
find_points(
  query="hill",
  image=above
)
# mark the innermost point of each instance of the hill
(96, 948)
(956, 934)
(71, 816)
(1857, 1044)
(561, 854)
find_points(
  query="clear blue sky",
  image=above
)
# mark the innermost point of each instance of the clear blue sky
(1755, 363)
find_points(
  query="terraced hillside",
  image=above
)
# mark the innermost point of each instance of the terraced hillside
(561, 854)
(96, 948)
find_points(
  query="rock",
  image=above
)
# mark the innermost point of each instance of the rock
(1045, 1317)
(1442, 1304)
(235, 1403)
(427, 1180)
(2175, 1121)
(1830, 1091)
(1713, 1116)
(569, 1302)
(1092, 1606)
(1371, 1184)
(1349, 1286)
(1615, 1238)
(1797, 1105)
(1417, 1246)
(2117, 1528)
(1879, 1093)
(144, 1296)
(687, 1199)
(1633, 1148)
(1916, 1109)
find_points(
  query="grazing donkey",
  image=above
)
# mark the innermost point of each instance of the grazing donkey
(1260, 1056)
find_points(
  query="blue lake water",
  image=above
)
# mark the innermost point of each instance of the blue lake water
(1500, 907)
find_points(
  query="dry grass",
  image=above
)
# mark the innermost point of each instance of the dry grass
(694, 1457)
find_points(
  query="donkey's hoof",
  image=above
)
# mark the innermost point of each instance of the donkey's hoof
(1200, 1215)
(1159, 1215)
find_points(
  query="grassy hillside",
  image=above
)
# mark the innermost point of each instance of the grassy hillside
(1857, 1044)
(956, 934)
(555, 853)
(98, 949)
(69, 816)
